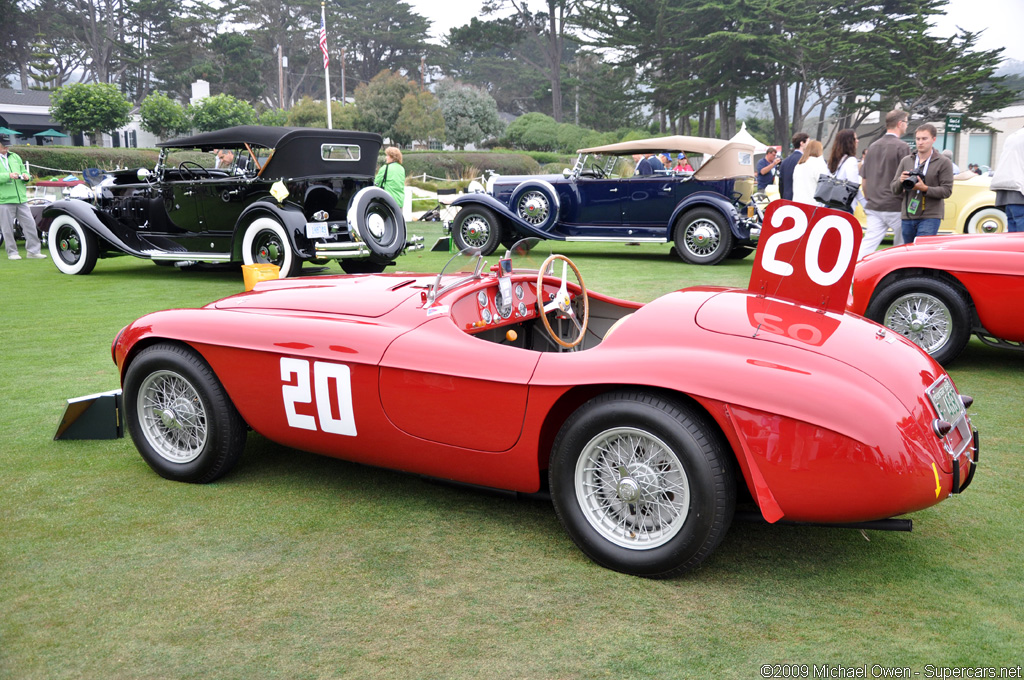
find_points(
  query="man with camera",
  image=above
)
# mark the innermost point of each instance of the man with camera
(923, 180)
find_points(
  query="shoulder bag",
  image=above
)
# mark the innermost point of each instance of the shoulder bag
(836, 193)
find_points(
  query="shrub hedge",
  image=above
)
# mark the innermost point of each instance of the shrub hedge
(466, 164)
(450, 165)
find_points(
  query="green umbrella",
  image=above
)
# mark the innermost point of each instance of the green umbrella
(8, 131)
(49, 133)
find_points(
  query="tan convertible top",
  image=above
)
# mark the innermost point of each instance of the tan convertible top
(723, 159)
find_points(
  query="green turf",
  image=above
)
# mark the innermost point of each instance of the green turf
(297, 566)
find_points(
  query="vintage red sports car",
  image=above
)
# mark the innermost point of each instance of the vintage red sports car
(646, 421)
(943, 288)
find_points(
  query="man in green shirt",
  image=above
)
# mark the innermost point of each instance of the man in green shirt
(13, 206)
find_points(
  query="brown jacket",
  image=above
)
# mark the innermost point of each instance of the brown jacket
(939, 181)
(880, 163)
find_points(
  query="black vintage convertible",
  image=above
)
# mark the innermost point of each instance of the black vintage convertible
(246, 194)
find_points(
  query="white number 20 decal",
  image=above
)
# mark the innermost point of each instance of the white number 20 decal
(772, 264)
(324, 374)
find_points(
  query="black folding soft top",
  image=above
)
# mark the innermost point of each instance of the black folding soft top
(298, 152)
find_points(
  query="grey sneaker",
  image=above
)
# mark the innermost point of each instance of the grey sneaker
(36, 256)
(15, 256)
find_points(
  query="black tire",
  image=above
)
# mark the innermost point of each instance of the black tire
(477, 227)
(931, 313)
(739, 253)
(172, 399)
(536, 203)
(375, 219)
(664, 452)
(267, 242)
(73, 248)
(702, 236)
(361, 266)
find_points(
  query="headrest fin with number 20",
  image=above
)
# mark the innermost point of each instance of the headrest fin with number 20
(806, 254)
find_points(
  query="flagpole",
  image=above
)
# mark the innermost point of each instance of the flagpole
(327, 72)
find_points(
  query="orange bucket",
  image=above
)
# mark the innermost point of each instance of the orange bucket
(254, 273)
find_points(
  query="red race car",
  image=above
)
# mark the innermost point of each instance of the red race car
(646, 421)
(942, 288)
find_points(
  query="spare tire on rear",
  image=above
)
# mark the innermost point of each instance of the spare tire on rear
(374, 218)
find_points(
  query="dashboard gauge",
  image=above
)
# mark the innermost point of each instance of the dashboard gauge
(481, 297)
(519, 291)
(485, 314)
(522, 309)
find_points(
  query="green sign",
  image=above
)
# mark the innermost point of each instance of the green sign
(953, 122)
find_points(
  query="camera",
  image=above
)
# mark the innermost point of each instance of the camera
(911, 181)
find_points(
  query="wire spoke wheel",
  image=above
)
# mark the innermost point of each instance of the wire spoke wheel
(534, 207)
(173, 417)
(476, 231)
(702, 237)
(923, 318)
(632, 488)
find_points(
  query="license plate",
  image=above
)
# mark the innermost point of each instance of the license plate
(946, 401)
(316, 230)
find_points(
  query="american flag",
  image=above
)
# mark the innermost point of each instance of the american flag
(323, 37)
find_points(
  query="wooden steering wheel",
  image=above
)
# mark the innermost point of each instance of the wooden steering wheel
(562, 302)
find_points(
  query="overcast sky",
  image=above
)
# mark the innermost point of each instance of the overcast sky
(1002, 20)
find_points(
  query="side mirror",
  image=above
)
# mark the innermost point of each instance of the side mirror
(566, 172)
(142, 174)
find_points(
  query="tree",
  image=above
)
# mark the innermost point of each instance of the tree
(91, 108)
(312, 113)
(163, 116)
(551, 27)
(379, 35)
(470, 114)
(419, 120)
(221, 111)
(379, 102)
(486, 54)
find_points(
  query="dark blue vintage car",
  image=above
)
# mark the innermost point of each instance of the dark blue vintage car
(708, 214)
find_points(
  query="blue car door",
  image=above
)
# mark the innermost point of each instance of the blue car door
(650, 200)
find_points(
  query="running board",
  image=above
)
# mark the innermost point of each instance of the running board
(605, 239)
(186, 256)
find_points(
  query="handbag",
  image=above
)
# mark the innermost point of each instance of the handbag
(834, 192)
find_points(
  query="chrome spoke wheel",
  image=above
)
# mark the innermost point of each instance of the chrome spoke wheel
(632, 488)
(924, 319)
(476, 231)
(172, 416)
(533, 206)
(702, 237)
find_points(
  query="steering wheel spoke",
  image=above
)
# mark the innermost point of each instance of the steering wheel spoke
(563, 302)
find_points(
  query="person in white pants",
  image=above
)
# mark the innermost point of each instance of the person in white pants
(880, 163)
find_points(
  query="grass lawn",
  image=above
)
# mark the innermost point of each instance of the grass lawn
(298, 566)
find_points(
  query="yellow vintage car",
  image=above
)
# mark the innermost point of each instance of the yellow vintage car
(970, 209)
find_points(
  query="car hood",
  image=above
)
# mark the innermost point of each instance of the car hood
(1009, 242)
(366, 295)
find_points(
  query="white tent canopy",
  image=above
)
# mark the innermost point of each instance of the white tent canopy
(745, 137)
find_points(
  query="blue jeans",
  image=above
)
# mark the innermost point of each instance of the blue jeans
(1014, 217)
(914, 228)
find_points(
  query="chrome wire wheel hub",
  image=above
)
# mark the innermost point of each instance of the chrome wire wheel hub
(632, 488)
(172, 417)
(534, 207)
(702, 237)
(476, 231)
(922, 318)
